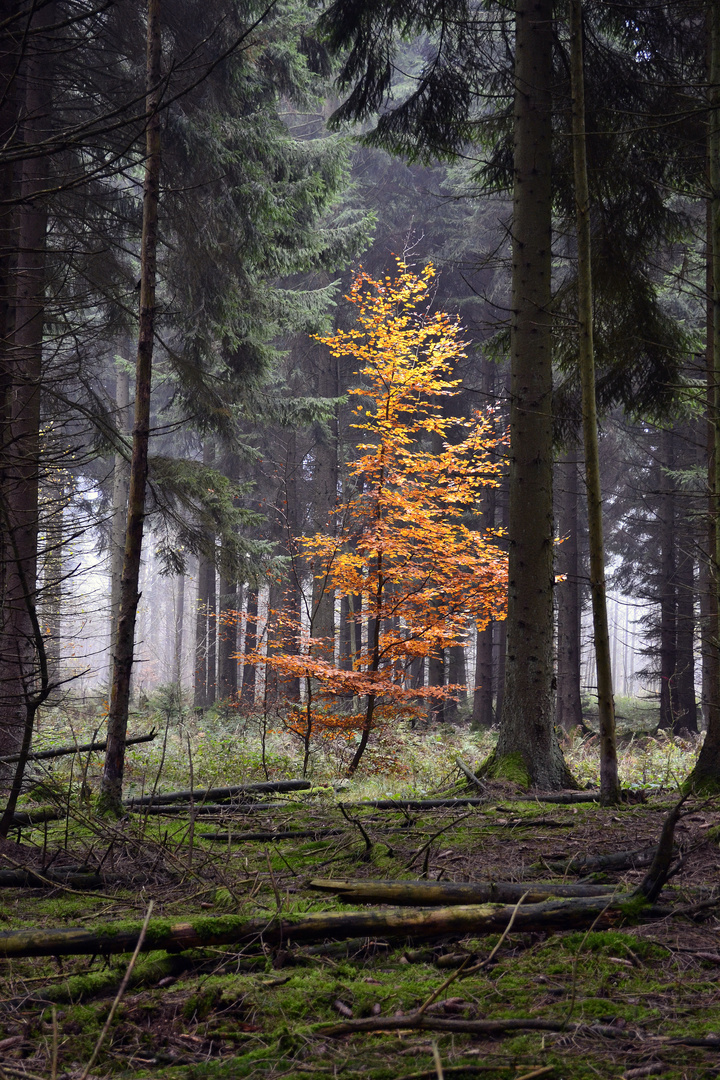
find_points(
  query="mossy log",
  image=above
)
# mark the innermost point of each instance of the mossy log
(290, 834)
(205, 809)
(470, 800)
(432, 893)
(219, 794)
(402, 923)
(78, 748)
(421, 1021)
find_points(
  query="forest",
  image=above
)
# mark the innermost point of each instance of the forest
(359, 539)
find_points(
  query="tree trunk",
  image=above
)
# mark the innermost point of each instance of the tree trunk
(112, 779)
(609, 782)
(569, 707)
(527, 747)
(179, 626)
(227, 639)
(686, 709)
(251, 643)
(19, 456)
(52, 513)
(121, 483)
(205, 620)
(436, 677)
(706, 774)
(667, 593)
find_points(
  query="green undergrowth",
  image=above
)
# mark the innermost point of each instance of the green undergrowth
(229, 748)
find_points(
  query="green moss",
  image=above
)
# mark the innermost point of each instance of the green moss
(509, 767)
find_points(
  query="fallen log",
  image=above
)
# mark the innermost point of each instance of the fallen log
(290, 834)
(81, 748)
(414, 804)
(421, 1021)
(469, 800)
(394, 923)
(220, 793)
(615, 860)
(24, 878)
(429, 893)
(22, 818)
(203, 809)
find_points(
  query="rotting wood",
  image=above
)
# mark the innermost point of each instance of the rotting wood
(220, 793)
(291, 834)
(82, 748)
(207, 808)
(560, 914)
(652, 884)
(471, 776)
(615, 860)
(451, 893)
(22, 818)
(472, 800)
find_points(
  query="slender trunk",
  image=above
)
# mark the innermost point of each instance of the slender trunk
(667, 589)
(686, 716)
(527, 741)
(569, 707)
(251, 642)
(609, 783)
(436, 677)
(121, 483)
(53, 512)
(179, 626)
(227, 639)
(482, 713)
(200, 670)
(706, 773)
(374, 629)
(112, 779)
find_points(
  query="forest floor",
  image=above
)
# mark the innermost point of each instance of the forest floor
(628, 1000)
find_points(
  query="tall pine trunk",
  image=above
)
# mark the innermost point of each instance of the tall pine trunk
(22, 374)
(527, 745)
(112, 779)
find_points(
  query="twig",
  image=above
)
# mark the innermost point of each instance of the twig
(436, 993)
(471, 776)
(434, 836)
(358, 824)
(438, 1062)
(119, 995)
(54, 1063)
(274, 883)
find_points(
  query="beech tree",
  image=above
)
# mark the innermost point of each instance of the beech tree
(424, 576)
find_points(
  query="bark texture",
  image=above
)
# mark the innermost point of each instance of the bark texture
(527, 746)
(609, 782)
(112, 778)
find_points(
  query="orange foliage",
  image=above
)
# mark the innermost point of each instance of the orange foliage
(406, 542)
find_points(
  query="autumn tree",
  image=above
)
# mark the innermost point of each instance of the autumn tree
(425, 575)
